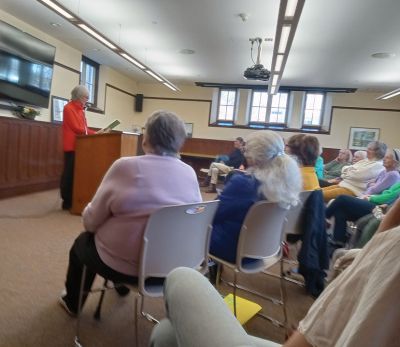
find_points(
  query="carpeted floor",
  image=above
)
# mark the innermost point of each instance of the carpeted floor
(35, 239)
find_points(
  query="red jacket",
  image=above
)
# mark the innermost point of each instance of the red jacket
(74, 123)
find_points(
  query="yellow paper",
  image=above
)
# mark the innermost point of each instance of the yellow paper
(245, 309)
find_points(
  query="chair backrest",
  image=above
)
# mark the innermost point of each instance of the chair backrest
(295, 215)
(261, 234)
(175, 236)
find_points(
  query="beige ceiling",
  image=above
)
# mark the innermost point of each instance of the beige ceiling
(332, 46)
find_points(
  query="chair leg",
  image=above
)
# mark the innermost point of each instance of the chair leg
(234, 293)
(148, 316)
(283, 297)
(136, 320)
(218, 277)
(78, 319)
(97, 313)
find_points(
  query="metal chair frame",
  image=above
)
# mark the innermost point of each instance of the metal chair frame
(189, 224)
(260, 239)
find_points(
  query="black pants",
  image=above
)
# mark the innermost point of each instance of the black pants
(67, 180)
(347, 208)
(84, 252)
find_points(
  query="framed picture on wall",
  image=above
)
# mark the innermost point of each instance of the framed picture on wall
(57, 107)
(189, 129)
(359, 138)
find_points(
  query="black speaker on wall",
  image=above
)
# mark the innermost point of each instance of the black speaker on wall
(139, 103)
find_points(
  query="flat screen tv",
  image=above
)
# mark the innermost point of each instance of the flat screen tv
(26, 67)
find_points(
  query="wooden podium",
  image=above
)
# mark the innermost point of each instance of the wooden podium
(94, 154)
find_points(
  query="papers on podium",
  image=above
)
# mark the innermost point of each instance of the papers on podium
(111, 126)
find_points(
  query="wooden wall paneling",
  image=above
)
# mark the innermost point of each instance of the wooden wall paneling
(31, 156)
(3, 149)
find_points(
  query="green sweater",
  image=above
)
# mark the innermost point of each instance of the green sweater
(333, 169)
(387, 196)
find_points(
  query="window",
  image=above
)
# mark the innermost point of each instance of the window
(258, 112)
(89, 78)
(227, 104)
(278, 108)
(313, 109)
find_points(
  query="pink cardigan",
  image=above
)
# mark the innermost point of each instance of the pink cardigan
(130, 191)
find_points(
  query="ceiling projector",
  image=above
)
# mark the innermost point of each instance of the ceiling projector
(257, 71)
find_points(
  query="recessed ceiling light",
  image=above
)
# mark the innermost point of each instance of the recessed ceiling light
(186, 51)
(57, 25)
(383, 55)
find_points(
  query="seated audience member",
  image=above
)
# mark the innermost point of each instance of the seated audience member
(116, 217)
(224, 164)
(356, 177)
(271, 175)
(319, 167)
(347, 208)
(387, 177)
(359, 155)
(333, 169)
(357, 309)
(306, 149)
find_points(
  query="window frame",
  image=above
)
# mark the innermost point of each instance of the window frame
(257, 123)
(225, 121)
(268, 122)
(313, 126)
(284, 124)
(87, 61)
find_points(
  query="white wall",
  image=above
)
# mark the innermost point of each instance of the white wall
(193, 103)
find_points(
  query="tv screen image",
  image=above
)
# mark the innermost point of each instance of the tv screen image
(26, 67)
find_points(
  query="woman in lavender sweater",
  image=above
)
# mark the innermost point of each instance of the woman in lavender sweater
(131, 190)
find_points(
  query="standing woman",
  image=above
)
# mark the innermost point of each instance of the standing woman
(271, 175)
(74, 123)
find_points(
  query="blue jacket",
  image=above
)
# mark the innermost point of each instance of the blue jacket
(239, 194)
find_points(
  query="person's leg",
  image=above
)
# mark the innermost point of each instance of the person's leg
(163, 335)
(334, 191)
(347, 208)
(67, 180)
(195, 307)
(84, 252)
(74, 272)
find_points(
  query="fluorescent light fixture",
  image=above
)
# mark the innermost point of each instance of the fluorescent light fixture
(97, 36)
(290, 8)
(273, 90)
(134, 61)
(169, 86)
(58, 9)
(278, 62)
(283, 41)
(275, 80)
(151, 73)
(389, 95)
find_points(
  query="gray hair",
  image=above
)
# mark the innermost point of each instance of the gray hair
(348, 154)
(379, 147)
(78, 92)
(277, 172)
(362, 154)
(395, 153)
(165, 132)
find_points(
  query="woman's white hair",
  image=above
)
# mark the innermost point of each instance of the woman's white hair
(277, 172)
(78, 92)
